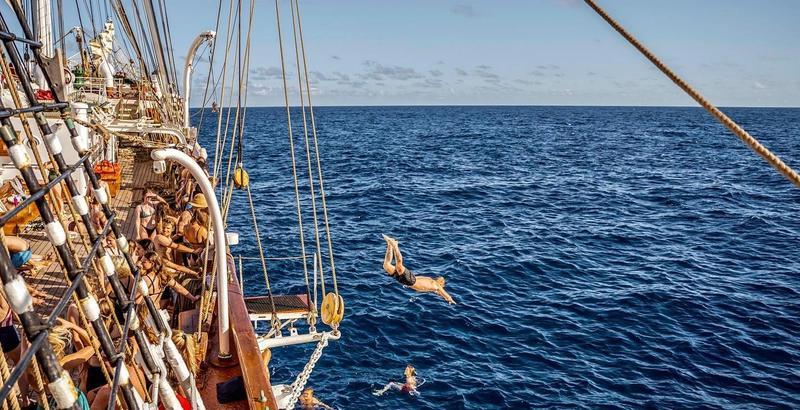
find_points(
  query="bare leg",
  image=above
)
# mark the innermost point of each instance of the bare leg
(101, 398)
(398, 257)
(57, 206)
(390, 385)
(16, 244)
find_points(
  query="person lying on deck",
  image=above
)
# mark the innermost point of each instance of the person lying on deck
(407, 278)
(20, 252)
(25, 260)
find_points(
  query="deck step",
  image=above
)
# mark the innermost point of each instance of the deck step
(286, 306)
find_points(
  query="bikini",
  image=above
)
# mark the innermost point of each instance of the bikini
(144, 214)
(151, 287)
(129, 287)
(9, 338)
(94, 378)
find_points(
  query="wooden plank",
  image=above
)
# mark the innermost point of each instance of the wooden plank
(256, 378)
(49, 278)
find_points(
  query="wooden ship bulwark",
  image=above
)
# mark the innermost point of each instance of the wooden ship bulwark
(79, 125)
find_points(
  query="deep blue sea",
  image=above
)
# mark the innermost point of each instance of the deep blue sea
(614, 257)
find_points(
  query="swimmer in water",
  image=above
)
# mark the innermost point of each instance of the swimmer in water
(399, 272)
(309, 402)
(409, 387)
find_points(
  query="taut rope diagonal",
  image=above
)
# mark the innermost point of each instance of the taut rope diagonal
(748, 139)
(307, 144)
(291, 142)
(316, 151)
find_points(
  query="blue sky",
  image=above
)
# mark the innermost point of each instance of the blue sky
(738, 52)
(370, 52)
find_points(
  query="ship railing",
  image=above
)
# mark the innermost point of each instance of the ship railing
(137, 90)
(275, 318)
(36, 327)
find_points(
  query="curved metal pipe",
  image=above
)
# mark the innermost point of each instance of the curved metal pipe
(220, 257)
(188, 67)
(150, 130)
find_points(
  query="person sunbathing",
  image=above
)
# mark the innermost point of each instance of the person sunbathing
(164, 245)
(399, 272)
(25, 260)
(20, 252)
(156, 279)
(195, 233)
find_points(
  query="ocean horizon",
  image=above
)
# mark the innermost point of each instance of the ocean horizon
(619, 257)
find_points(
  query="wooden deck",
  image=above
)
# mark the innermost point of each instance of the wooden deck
(47, 276)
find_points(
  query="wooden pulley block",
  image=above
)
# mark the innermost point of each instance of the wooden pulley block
(339, 311)
(330, 308)
(240, 178)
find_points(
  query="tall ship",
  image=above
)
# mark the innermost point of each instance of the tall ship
(121, 284)
(122, 287)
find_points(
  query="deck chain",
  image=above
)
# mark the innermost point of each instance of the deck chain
(300, 383)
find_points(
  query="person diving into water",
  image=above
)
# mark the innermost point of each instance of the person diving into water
(407, 278)
(409, 387)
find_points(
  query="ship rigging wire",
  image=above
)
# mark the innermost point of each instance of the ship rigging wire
(737, 130)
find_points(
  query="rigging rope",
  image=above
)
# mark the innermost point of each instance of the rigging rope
(308, 149)
(209, 75)
(751, 142)
(11, 399)
(32, 142)
(219, 147)
(291, 143)
(316, 152)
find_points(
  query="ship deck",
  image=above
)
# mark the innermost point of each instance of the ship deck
(48, 278)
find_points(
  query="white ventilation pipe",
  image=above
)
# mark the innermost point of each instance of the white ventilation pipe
(108, 73)
(220, 257)
(188, 67)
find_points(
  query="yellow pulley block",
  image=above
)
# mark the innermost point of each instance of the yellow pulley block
(340, 311)
(330, 308)
(240, 178)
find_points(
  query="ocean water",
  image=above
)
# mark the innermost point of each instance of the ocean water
(600, 256)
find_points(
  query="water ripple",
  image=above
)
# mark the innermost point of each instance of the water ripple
(601, 257)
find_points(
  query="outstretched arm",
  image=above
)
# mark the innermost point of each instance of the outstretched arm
(398, 256)
(177, 287)
(387, 260)
(169, 243)
(181, 268)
